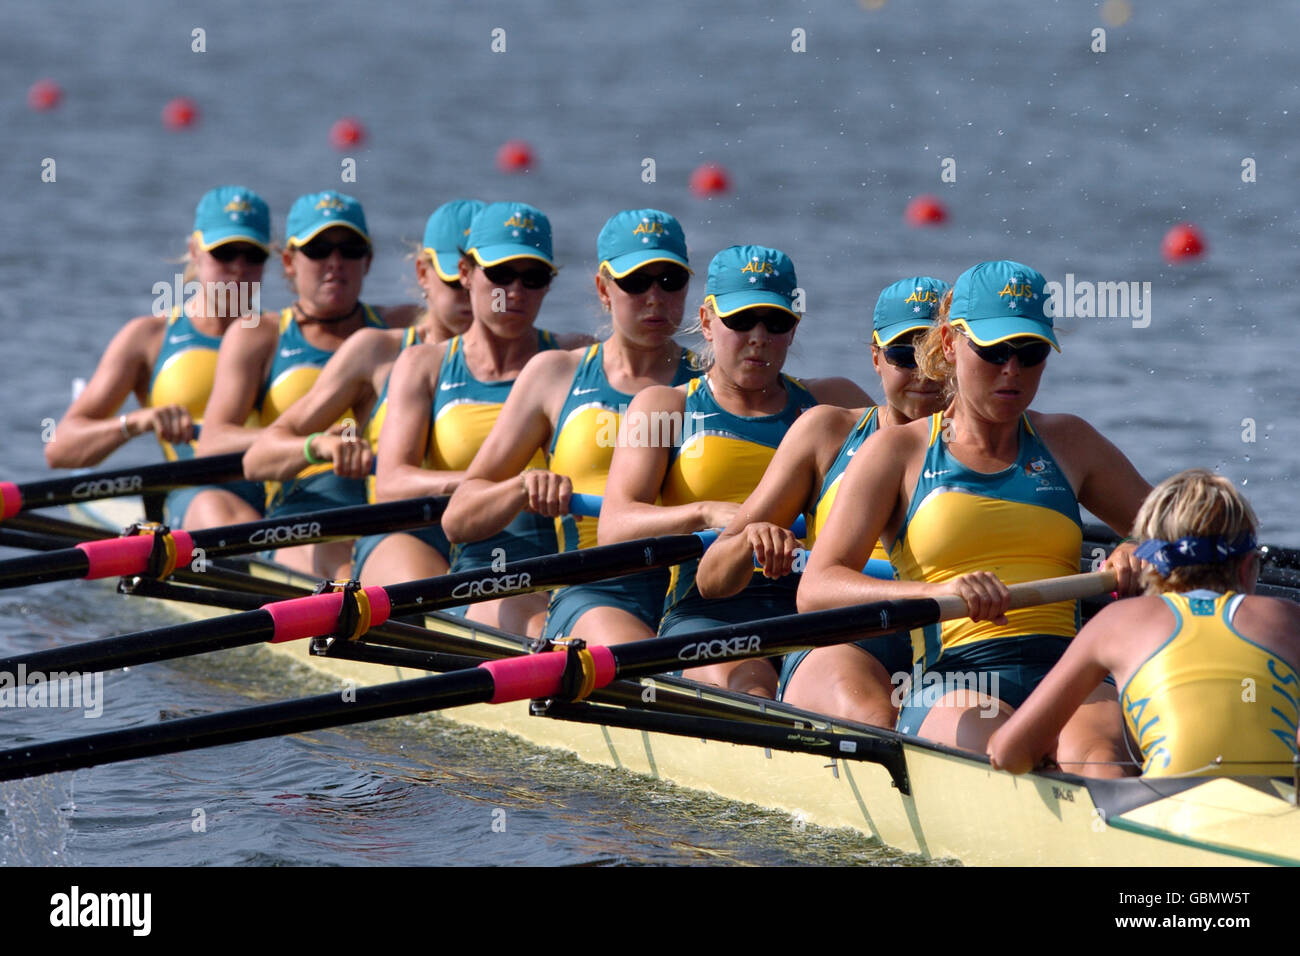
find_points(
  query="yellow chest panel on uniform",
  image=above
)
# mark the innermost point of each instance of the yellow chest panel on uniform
(185, 379)
(1016, 541)
(585, 448)
(715, 468)
(458, 432)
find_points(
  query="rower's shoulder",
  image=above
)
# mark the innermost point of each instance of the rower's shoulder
(1061, 425)
(832, 421)
(398, 316)
(550, 369)
(1278, 618)
(370, 345)
(660, 398)
(837, 390)
(141, 332)
(569, 341)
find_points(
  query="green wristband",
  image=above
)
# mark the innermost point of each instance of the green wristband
(306, 450)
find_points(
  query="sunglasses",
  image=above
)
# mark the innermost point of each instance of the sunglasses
(323, 249)
(1032, 353)
(535, 277)
(900, 356)
(672, 280)
(774, 320)
(231, 251)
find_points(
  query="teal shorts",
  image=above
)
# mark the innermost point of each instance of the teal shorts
(431, 535)
(1008, 668)
(893, 651)
(695, 613)
(178, 500)
(316, 493)
(528, 536)
(641, 595)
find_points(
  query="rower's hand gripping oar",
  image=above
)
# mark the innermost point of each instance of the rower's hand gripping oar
(141, 480)
(547, 675)
(156, 551)
(588, 506)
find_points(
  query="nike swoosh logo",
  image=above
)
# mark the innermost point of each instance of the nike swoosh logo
(289, 353)
(935, 474)
(852, 452)
(447, 386)
(703, 414)
(585, 391)
(178, 339)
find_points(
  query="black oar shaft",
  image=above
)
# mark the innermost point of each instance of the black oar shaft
(352, 706)
(140, 480)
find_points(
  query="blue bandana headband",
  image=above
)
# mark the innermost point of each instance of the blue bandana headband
(1167, 555)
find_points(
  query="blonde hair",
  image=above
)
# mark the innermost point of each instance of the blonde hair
(1194, 503)
(930, 359)
(702, 357)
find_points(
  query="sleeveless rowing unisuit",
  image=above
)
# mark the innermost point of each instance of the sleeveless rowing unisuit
(183, 374)
(722, 457)
(464, 411)
(1209, 700)
(1021, 523)
(894, 651)
(582, 448)
(431, 535)
(294, 370)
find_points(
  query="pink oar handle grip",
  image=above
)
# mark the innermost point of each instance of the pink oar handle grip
(538, 675)
(11, 499)
(317, 614)
(116, 557)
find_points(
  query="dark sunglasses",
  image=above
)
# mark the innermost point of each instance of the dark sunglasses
(774, 320)
(535, 277)
(900, 356)
(1030, 354)
(234, 250)
(635, 283)
(323, 248)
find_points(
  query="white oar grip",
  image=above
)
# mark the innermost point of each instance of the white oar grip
(1071, 587)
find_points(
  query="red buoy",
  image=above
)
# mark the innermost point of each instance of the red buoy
(346, 133)
(515, 156)
(925, 211)
(710, 180)
(1183, 241)
(44, 95)
(180, 113)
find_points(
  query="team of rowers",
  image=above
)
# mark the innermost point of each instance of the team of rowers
(949, 485)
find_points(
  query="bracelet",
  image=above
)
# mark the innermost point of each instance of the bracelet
(306, 450)
(126, 433)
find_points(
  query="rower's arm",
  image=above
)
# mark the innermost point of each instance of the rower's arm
(759, 529)
(279, 453)
(242, 365)
(1022, 743)
(637, 473)
(399, 316)
(839, 391)
(400, 471)
(90, 430)
(494, 489)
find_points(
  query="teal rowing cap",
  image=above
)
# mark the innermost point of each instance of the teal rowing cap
(316, 212)
(636, 237)
(232, 214)
(905, 306)
(447, 233)
(509, 230)
(742, 277)
(996, 301)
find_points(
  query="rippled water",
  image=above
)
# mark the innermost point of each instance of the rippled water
(1073, 161)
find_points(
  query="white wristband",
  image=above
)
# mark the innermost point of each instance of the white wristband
(121, 420)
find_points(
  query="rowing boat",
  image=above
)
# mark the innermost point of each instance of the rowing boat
(906, 792)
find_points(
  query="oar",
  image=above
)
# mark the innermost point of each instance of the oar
(115, 557)
(141, 480)
(318, 615)
(588, 506)
(1278, 565)
(521, 678)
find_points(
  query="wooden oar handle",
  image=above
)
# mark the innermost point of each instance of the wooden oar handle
(1071, 587)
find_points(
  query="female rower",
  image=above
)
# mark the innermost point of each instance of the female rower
(987, 484)
(1209, 672)
(569, 404)
(169, 361)
(265, 367)
(444, 398)
(846, 680)
(729, 423)
(355, 380)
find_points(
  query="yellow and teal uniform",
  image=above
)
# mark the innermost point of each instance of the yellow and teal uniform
(722, 457)
(1021, 523)
(294, 370)
(432, 534)
(582, 448)
(894, 651)
(182, 375)
(1186, 707)
(464, 411)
